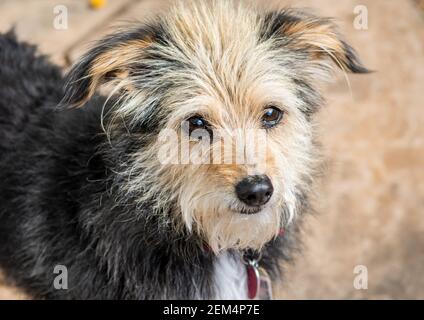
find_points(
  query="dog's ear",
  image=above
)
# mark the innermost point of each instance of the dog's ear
(318, 37)
(113, 58)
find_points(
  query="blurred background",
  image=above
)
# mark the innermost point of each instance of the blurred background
(370, 201)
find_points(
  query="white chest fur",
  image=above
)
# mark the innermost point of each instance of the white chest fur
(230, 278)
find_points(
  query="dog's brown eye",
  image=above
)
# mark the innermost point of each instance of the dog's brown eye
(271, 117)
(196, 122)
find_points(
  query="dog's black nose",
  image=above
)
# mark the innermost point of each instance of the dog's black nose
(255, 190)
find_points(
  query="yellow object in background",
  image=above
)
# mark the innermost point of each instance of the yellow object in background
(97, 4)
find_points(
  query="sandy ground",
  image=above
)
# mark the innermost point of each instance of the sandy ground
(371, 201)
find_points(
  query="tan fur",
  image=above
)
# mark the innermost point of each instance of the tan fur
(321, 38)
(115, 63)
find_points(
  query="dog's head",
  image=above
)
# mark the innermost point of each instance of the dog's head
(203, 88)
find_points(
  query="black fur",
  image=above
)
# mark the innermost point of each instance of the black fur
(58, 200)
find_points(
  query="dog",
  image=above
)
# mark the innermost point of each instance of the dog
(83, 185)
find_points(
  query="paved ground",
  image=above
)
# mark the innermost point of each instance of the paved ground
(371, 201)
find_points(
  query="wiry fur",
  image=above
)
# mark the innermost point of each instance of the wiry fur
(84, 187)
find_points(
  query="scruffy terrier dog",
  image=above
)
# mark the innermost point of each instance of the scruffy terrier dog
(83, 183)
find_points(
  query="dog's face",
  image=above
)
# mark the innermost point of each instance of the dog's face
(228, 81)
